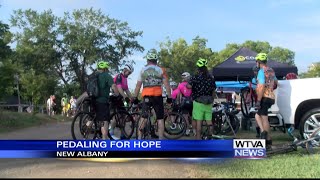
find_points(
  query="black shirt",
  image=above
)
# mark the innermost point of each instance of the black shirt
(202, 85)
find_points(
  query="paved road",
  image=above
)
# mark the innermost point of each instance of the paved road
(58, 168)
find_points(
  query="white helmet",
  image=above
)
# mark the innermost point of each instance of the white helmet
(172, 83)
(129, 67)
(185, 75)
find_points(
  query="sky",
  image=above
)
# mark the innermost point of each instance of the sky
(292, 24)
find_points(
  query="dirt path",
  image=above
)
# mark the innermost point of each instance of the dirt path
(58, 168)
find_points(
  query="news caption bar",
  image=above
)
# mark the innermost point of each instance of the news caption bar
(237, 148)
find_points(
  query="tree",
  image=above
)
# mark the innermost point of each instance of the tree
(7, 69)
(275, 53)
(73, 43)
(314, 71)
(179, 57)
(37, 88)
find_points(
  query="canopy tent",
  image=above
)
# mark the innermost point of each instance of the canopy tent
(238, 67)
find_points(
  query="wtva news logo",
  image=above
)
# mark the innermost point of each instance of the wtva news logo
(249, 148)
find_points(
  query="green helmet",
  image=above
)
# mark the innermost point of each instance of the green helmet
(103, 65)
(262, 57)
(152, 55)
(202, 63)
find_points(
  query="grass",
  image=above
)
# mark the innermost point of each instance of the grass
(296, 164)
(10, 121)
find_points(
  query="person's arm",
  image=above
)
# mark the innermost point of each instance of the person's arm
(137, 90)
(118, 83)
(167, 86)
(128, 93)
(113, 85)
(261, 85)
(138, 86)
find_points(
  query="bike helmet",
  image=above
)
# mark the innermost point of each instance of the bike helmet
(185, 75)
(202, 63)
(172, 83)
(152, 55)
(129, 67)
(103, 65)
(262, 57)
(291, 76)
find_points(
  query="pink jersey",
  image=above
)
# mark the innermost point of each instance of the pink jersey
(184, 90)
(175, 93)
(121, 81)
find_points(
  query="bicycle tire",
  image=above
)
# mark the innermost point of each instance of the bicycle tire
(125, 126)
(225, 126)
(181, 125)
(315, 143)
(146, 134)
(83, 129)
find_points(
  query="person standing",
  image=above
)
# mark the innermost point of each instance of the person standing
(152, 77)
(203, 88)
(266, 83)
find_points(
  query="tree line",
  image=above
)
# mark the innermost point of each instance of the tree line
(54, 55)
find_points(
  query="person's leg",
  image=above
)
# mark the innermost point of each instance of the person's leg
(198, 116)
(208, 117)
(157, 103)
(143, 118)
(103, 115)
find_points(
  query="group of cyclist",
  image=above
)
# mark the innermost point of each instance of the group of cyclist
(194, 95)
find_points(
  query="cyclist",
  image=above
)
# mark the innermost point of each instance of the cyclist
(203, 88)
(152, 77)
(265, 96)
(186, 100)
(73, 105)
(121, 82)
(175, 100)
(102, 101)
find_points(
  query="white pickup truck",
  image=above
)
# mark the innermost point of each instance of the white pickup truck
(298, 103)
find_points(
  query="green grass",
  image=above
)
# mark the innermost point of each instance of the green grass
(10, 121)
(296, 164)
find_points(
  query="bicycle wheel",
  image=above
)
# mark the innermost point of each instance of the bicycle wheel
(121, 125)
(175, 125)
(247, 101)
(313, 145)
(146, 130)
(225, 125)
(83, 126)
(136, 116)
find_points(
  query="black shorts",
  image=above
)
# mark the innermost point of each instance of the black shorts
(156, 102)
(186, 105)
(187, 108)
(102, 111)
(266, 103)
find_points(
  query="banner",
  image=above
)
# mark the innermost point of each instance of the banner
(132, 149)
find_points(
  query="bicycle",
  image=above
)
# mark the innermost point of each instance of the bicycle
(151, 125)
(309, 144)
(175, 123)
(224, 122)
(248, 100)
(86, 118)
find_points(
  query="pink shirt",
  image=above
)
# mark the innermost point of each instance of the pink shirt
(184, 90)
(121, 81)
(175, 93)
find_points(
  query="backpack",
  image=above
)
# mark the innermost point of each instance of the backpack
(269, 77)
(93, 85)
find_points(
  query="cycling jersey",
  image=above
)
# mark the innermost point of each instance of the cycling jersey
(121, 81)
(152, 77)
(175, 93)
(184, 90)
